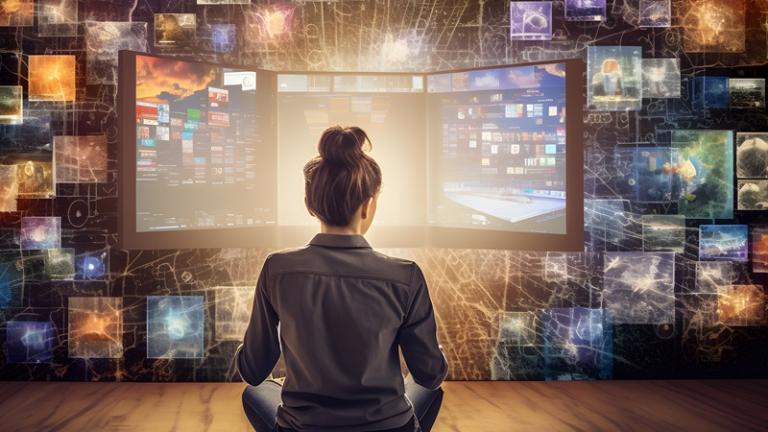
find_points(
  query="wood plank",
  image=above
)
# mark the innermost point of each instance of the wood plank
(706, 405)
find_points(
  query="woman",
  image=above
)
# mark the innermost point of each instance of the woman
(343, 310)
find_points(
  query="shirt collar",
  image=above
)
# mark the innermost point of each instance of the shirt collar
(339, 241)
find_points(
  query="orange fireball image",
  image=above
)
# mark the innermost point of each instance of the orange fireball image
(52, 78)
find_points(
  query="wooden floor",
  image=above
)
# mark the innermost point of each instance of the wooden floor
(468, 406)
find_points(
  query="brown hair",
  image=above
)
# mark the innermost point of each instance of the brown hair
(342, 177)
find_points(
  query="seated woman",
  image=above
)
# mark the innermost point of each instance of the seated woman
(344, 310)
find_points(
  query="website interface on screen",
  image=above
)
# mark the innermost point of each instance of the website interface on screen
(498, 149)
(390, 108)
(199, 148)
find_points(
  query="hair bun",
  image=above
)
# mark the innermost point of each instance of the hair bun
(343, 145)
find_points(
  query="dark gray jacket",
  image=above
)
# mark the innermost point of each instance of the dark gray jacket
(344, 309)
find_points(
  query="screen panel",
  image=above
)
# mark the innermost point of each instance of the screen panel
(198, 153)
(390, 108)
(480, 158)
(506, 157)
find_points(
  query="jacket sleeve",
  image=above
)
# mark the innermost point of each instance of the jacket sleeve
(260, 350)
(418, 337)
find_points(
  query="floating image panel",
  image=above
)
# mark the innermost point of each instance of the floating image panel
(704, 162)
(615, 75)
(11, 107)
(712, 274)
(39, 233)
(584, 10)
(11, 280)
(103, 40)
(518, 328)
(556, 267)
(752, 195)
(222, 38)
(531, 20)
(17, 13)
(723, 242)
(661, 78)
(175, 30)
(233, 311)
(639, 287)
(747, 93)
(656, 178)
(81, 159)
(710, 92)
(655, 13)
(760, 249)
(9, 187)
(57, 18)
(175, 327)
(36, 179)
(577, 344)
(95, 327)
(60, 264)
(663, 233)
(29, 341)
(752, 155)
(52, 78)
(606, 219)
(92, 266)
(714, 26)
(741, 305)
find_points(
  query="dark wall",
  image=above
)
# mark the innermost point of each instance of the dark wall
(566, 316)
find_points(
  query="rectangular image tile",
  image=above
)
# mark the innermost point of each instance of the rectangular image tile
(638, 288)
(741, 305)
(577, 344)
(752, 155)
(704, 164)
(530, 20)
(175, 327)
(655, 13)
(81, 159)
(11, 105)
(95, 327)
(760, 249)
(9, 187)
(584, 10)
(663, 233)
(52, 78)
(29, 341)
(233, 311)
(39, 233)
(747, 93)
(615, 78)
(752, 195)
(723, 242)
(661, 78)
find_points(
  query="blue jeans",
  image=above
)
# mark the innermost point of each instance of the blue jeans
(261, 402)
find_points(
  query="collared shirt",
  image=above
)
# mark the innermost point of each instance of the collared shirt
(344, 309)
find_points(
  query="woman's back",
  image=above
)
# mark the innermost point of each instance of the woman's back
(343, 309)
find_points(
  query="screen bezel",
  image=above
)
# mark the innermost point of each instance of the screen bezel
(573, 238)
(129, 236)
(271, 236)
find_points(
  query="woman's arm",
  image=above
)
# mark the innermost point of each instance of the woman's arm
(417, 338)
(260, 350)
